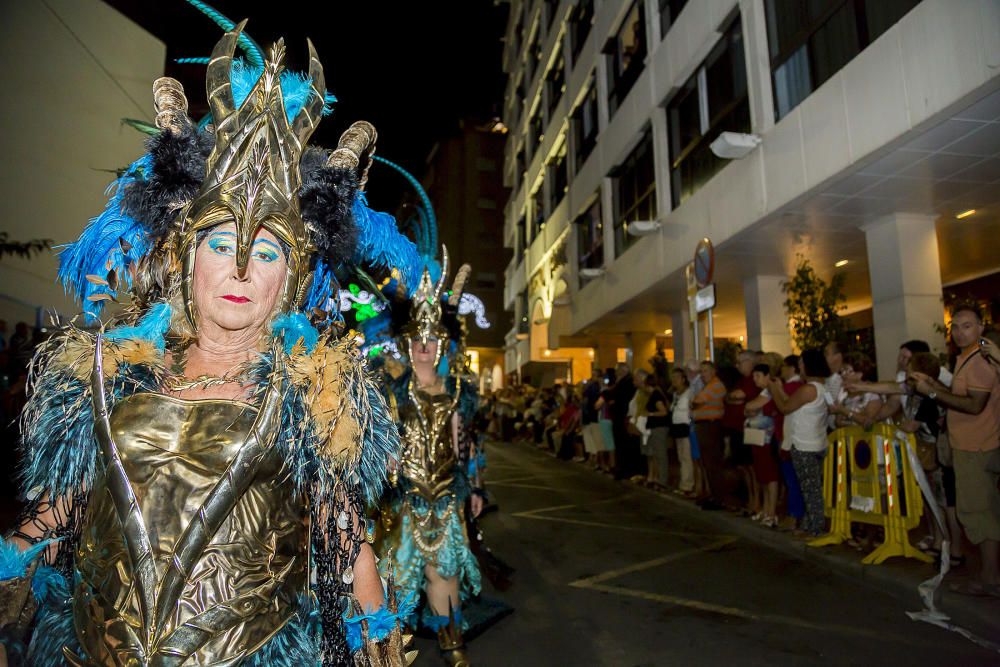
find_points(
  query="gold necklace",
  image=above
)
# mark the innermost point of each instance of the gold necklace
(177, 382)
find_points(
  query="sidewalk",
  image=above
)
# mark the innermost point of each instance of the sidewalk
(898, 577)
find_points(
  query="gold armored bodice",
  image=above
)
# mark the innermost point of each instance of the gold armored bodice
(227, 537)
(428, 456)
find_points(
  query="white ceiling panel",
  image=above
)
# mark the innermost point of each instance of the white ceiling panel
(943, 134)
(987, 108)
(940, 166)
(983, 142)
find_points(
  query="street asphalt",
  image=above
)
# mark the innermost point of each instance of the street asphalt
(610, 574)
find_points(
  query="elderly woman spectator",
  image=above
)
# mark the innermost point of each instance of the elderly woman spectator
(767, 421)
(680, 429)
(806, 411)
(856, 407)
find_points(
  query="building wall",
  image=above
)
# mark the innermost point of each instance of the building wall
(74, 69)
(465, 184)
(937, 58)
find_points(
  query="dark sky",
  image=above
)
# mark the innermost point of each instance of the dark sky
(411, 68)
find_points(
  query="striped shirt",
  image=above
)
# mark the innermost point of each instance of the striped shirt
(709, 404)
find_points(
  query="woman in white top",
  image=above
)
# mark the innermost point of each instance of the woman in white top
(806, 411)
(680, 425)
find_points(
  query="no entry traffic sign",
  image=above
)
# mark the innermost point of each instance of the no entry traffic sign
(704, 262)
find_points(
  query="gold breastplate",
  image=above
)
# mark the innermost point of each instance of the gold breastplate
(428, 456)
(227, 538)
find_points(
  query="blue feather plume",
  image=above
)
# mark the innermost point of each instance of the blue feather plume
(152, 327)
(14, 562)
(53, 622)
(381, 245)
(295, 327)
(100, 248)
(381, 622)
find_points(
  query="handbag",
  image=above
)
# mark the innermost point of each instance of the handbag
(754, 436)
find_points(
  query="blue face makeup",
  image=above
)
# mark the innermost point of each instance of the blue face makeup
(224, 243)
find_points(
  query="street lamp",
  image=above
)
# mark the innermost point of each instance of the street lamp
(734, 145)
(590, 274)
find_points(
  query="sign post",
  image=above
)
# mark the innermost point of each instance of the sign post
(703, 300)
(692, 289)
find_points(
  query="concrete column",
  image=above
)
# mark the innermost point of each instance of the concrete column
(758, 65)
(905, 275)
(607, 353)
(683, 335)
(767, 324)
(643, 344)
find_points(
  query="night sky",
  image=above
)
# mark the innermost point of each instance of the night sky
(413, 69)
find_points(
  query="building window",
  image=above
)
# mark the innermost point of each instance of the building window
(537, 131)
(626, 52)
(558, 179)
(555, 82)
(580, 22)
(533, 53)
(590, 237)
(634, 191)
(521, 238)
(519, 164)
(712, 101)
(669, 11)
(808, 42)
(550, 13)
(538, 210)
(585, 127)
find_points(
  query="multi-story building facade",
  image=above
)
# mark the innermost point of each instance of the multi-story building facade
(464, 184)
(873, 127)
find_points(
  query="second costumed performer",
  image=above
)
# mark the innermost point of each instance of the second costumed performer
(424, 521)
(198, 473)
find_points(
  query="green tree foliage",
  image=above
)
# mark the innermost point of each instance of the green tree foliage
(813, 306)
(24, 249)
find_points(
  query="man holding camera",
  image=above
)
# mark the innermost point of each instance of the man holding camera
(973, 403)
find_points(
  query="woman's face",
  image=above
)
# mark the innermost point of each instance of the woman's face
(424, 354)
(231, 301)
(677, 380)
(849, 374)
(788, 371)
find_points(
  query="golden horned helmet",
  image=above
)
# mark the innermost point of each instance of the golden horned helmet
(426, 306)
(252, 176)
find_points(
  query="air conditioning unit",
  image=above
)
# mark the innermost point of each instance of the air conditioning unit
(590, 274)
(734, 145)
(643, 227)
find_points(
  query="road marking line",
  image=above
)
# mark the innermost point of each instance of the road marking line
(638, 567)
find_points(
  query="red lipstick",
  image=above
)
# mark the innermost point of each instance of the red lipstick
(236, 299)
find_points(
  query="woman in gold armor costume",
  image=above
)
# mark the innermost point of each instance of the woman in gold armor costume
(198, 471)
(424, 520)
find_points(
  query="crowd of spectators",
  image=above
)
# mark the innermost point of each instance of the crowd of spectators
(751, 437)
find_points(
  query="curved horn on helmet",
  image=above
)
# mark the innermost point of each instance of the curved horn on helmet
(458, 285)
(170, 104)
(355, 150)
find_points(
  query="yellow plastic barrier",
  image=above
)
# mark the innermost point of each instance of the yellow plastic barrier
(858, 489)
